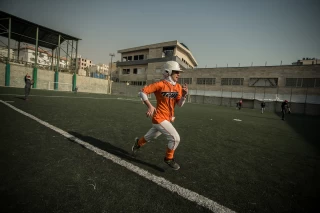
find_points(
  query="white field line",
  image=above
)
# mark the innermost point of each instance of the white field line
(185, 193)
(85, 97)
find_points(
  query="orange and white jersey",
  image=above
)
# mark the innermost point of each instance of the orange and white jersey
(167, 96)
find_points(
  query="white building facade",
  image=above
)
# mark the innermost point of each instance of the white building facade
(28, 55)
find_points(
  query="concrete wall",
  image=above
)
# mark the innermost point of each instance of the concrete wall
(280, 72)
(92, 85)
(155, 52)
(17, 74)
(140, 52)
(183, 55)
(151, 71)
(65, 81)
(131, 76)
(46, 79)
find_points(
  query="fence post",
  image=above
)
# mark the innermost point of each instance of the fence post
(305, 101)
(221, 96)
(254, 96)
(231, 97)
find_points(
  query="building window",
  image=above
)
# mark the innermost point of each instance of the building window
(136, 57)
(263, 82)
(141, 57)
(303, 82)
(185, 80)
(139, 83)
(232, 81)
(124, 58)
(129, 58)
(168, 51)
(138, 71)
(125, 71)
(206, 81)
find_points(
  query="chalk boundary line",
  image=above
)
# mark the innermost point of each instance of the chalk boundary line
(185, 193)
(84, 97)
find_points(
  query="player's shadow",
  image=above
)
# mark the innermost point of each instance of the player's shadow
(261, 117)
(22, 98)
(106, 146)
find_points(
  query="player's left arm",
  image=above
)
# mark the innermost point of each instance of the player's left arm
(182, 96)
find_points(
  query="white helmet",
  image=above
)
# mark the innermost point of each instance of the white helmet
(170, 66)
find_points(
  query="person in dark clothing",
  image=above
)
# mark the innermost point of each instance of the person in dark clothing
(284, 106)
(288, 108)
(28, 81)
(240, 104)
(263, 105)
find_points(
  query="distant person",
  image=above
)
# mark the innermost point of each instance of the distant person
(28, 83)
(263, 105)
(284, 106)
(240, 104)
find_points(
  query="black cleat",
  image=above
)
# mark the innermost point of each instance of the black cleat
(172, 164)
(135, 146)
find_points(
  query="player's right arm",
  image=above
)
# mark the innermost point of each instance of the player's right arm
(144, 96)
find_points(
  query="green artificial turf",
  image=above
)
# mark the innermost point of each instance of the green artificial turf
(258, 164)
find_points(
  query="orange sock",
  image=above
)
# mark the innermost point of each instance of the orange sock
(142, 141)
(169, 154)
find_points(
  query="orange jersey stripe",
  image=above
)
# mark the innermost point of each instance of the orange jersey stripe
(167, 96)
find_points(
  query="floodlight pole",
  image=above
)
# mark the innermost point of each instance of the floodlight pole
(110, 80)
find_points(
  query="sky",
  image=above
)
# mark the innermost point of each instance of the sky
(218, 32)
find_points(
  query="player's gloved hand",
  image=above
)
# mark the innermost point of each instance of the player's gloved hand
(151, 110)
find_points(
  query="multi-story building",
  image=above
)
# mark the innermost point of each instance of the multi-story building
(103, 68)
(83, 63)
(142, 65)
(4, 53)
(99, 68)
(45, 58)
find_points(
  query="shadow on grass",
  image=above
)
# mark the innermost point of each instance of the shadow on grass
(305, 125)
(103, 145)
(262, 117)
(21, 97)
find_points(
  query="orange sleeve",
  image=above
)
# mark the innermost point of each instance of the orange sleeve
(151, 88)
(179, 93)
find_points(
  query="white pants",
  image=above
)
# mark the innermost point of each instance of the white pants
(166, 128)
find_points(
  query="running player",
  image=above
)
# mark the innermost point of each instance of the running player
(168, 93)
